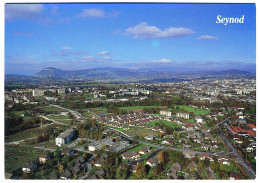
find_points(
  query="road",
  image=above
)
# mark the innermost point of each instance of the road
(19, 141)
(248, 169)
(75, 113)
(54, 121)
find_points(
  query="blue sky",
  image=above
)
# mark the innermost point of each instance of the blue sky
(170, 37)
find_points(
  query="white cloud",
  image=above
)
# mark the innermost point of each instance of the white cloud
(107, 58)
(23, 11)
(144, 31)
(95, 13)
(66, 48)
(207, 37)
(103, 53)
(163, 60)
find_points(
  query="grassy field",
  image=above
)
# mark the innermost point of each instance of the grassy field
(98, 110)
(195, 110)
(168, 123)
(140, 132)
(137, 149)
(58, 117)
(16, 156)
(25, 134)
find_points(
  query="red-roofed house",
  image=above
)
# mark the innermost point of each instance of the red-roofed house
(252, 126)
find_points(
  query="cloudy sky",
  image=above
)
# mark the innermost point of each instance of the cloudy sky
(170, 37)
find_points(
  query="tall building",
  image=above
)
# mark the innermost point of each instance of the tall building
(37, 93)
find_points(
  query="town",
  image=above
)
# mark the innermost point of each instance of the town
(193, 129)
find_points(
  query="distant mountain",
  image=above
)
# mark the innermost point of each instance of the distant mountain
(123, 74)
(210, 72)
(233, 71)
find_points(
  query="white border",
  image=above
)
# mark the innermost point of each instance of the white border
(2, 30)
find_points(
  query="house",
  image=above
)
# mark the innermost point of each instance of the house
(192, 166)
(65, 137)
(235, 175)
(252, 126)
(167, 142)
(67, 151)
(99, 161)
(241, 121)
(100, 173)
(223, 161)
(214, 145)
(130, 155)
(145, 149)
(188, 126)
(133, 168)
(80, 162)
(189, 154)
(75, 170)
(43, 158)
(66, 175)
(249, 149)
(166, 113)
(153, 161)
(198, 119)
(203, 156)
(177, 166)
(172, 174)
(211, 174)
(53, 176)
(205, 146)
(149, 137)
(199, 140)
(182, 115)
(28, 167)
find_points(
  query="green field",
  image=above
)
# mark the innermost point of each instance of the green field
(137, 149)
(25, 134)
(58, 117)
(168, 123)
(191, 109)
(98, 110)
(140, 132)
(17, 155)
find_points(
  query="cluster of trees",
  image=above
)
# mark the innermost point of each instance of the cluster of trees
(91, 129)
(14, 123)
(178, 100)
(42, 137)
(112, 169)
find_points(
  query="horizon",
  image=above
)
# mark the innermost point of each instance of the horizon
(161, 37)
(176, 72)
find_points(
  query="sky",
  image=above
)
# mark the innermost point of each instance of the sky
(161, 37)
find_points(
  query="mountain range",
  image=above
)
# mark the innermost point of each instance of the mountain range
(107, 73)
(123, 75)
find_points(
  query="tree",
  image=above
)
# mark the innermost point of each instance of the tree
(163, 156)
(141, 170)
(155, 172)
(60, 167)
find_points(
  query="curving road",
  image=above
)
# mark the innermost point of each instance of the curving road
(248, 169)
